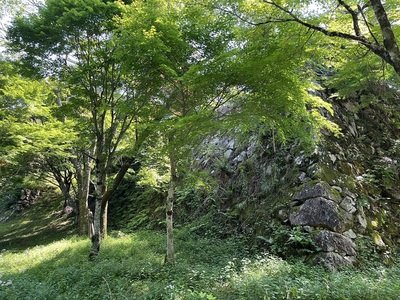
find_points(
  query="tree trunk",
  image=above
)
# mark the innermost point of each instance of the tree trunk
(64, 184)
(96, 237)
(83, 180)
(109, 192)
(104, 219)
(100, 170)
(82, 172)
(389, 39)
(170, 257)
(103, 194)
(67, 195)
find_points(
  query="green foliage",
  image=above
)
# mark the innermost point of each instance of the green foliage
(369, 255)
(163, 62)
(132, 267)
(289, 242)
(9, 196)
(31, 134)
(271, 278)
(138, 203)
(172, 66)
(36, 225)
(44, 38)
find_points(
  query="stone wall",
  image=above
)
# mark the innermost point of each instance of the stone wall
(27, 198)
(346, 189)
(328, 214)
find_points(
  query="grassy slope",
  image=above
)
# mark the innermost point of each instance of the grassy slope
(39, 224)
(131, 267)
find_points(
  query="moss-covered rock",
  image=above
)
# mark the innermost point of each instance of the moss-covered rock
(315, 190)
(321, 212)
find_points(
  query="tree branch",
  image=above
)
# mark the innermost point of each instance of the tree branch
(118, 179)
(389, 39)
(354, 17)
(361, 10)
(379, 50)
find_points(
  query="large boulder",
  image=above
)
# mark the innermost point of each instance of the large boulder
(321, 212)
(317, 190)
(330, 241)
(333, 261)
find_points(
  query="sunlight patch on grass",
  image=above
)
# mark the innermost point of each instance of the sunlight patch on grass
(130, 266)
(14, 263)
(139, 248)
(39, 224)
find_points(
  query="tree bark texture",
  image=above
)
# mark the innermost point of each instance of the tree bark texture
(104, 219)
(96, 237)
(389, 39)
(170, 257)
(83, 201)
(109, 192)
(83, 173)
(100, 171)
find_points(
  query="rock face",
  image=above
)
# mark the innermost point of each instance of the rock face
(324, 211)
(316, 191)
(332, 261)
(28, 197)
(334, 242)
(321, 212)
(346, 189)
(349, 187)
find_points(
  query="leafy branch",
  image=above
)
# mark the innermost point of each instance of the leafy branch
(389, 51)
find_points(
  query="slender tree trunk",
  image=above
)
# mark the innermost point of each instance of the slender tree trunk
(67, 195)
(109, 192)
(170, 257)
(96, 237)
(103, 194)
(83, 179)
(64, 184)
(85, 220)
(82, 164)
(104, 219)
(100, 170)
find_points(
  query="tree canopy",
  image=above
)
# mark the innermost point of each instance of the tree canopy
(370, 25)
(95, 85)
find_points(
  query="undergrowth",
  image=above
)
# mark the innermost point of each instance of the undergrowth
(132, 267)
(40, 259)
(38, 224)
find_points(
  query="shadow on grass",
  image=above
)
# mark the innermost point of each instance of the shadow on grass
(38, 225)
(126, 267)
(130, 266)
(39, 236)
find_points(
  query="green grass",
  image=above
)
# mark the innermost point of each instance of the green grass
(39, 224)
(131, 267)
(43, 260)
